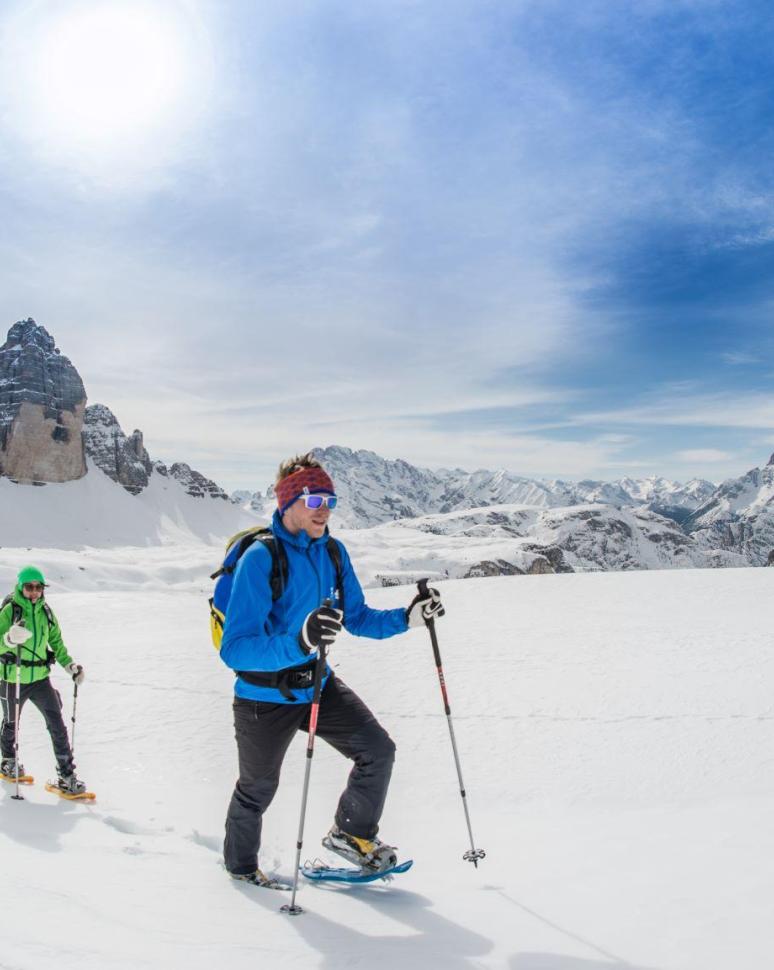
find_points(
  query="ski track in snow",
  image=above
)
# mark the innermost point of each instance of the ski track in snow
(617, 748)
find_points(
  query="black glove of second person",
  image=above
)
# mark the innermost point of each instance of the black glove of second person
(320, 627)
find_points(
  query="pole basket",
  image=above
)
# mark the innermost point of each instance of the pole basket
(473, 855)
(291, 910)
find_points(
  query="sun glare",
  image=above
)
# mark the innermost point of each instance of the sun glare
(100, 78)
(109, 71)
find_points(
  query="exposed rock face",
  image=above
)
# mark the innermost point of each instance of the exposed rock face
(42, 400)
(739, 517)
(122, 458)
(516, 540)
(501, 567)
(194, 483)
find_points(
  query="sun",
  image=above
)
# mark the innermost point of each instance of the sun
(99, 78)
(109, 70)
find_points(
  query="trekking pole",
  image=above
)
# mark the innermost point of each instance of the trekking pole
(72, 720)
(473, 854)
(17, 797)
(290, 908)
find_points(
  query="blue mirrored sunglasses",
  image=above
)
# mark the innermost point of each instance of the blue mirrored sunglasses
(317, 501)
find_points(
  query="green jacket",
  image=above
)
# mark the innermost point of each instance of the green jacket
(45, 636)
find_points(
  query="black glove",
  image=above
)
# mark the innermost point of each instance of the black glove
(7, 658)
(320, 627)
(424, 607)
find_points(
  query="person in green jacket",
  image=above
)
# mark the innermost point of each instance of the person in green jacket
(30, 633)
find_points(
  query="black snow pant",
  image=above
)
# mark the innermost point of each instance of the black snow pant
(263, 734)
(49, 703)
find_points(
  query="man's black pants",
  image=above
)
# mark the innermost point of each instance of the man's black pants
(263, 734)
(49, 703)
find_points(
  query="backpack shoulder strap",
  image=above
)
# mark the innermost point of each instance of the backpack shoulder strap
(16, 610)
(49, 614)
(334, 551)
(237, 546)
(279, 564)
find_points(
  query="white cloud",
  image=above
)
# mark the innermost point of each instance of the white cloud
(739, 358)
(697, 456)
(722, 410)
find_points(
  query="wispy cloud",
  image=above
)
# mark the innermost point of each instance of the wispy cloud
(696, 456)
(752, 410)
(450, 232)
(740, 358)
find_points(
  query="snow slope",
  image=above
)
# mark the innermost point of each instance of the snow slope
(615, 732)
(95, 511)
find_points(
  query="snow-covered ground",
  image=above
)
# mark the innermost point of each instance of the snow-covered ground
(616, 733)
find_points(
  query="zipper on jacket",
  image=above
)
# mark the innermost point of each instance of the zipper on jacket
(34, 642)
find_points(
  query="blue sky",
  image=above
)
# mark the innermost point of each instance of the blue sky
(531, 235)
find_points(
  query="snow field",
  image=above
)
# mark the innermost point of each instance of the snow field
(615, 733)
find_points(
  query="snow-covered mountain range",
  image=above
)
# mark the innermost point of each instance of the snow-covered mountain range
(374, 490)
(101, 487)
(455, 523)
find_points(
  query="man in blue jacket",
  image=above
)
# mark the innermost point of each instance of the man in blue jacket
(272, 643)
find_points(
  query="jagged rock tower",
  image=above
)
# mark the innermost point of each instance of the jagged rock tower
(42, 400)
(122, 458)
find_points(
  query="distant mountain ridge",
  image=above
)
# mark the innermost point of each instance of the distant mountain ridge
(376, 490)
(495, 522)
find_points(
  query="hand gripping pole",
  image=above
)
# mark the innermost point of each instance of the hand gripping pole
(473, 854)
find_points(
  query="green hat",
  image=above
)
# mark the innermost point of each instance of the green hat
(30, 574)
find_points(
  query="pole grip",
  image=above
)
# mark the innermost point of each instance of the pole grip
(430, 624)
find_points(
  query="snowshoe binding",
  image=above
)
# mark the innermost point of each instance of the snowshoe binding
(70, 787)
(8, 772)
(260, 879)
(70, 784)
(370, 855)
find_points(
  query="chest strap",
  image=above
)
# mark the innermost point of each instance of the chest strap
(9, 660)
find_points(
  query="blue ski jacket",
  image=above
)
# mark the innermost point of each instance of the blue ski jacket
(262, 635)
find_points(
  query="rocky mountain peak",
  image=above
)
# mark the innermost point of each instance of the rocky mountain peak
(42, 400)
(195, 483)
(122, 458)
(25, 333)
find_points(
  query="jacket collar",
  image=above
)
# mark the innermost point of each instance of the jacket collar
(301, 541)
(25, 604)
